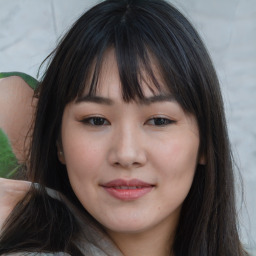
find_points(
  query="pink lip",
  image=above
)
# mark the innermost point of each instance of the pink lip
(127, 190)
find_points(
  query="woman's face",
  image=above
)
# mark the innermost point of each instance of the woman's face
(131, 165)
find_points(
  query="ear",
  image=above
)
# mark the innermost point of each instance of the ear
(60, 152)
(202, 159)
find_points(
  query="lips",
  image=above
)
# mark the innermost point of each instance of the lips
(127, 190)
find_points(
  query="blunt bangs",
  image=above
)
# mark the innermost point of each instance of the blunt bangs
(147, 44)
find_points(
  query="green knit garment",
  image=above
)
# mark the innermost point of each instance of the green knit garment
(8, 161)
(31, 81)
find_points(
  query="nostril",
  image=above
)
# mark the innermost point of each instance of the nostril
(127, 164)
(126, 154)
(136, 164)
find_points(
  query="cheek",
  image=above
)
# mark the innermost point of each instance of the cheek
(83, 167)
(177, 161)
(178, 152)
(82, 156)
(177, 168)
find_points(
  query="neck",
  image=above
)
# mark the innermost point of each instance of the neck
(135, 245)
(156, 242)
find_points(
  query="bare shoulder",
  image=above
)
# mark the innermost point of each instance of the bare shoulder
(16, 111)
(14, 93)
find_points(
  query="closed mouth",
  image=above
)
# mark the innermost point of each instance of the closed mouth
(127, 190)
(130, 187)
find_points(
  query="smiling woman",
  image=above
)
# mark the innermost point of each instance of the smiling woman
(107, 148)
(125, 129)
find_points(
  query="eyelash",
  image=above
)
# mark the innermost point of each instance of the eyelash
(101, 121)
(163, 121)
(91, 120)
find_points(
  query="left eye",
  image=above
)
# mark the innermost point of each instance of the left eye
(159, 121)
(96, 121)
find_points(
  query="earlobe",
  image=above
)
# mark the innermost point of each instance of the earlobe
(202, 160)
(60, 153)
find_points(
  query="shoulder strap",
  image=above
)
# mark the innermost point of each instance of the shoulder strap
(31, 81)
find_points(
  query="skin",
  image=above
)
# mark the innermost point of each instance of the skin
(11, 192)
(16, 112)
(128, 143)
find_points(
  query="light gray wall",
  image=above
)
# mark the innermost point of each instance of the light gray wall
(29, 30)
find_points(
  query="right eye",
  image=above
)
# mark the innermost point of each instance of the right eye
(95, 121)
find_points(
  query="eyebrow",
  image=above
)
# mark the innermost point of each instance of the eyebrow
(144, 101)
(157, 98)
(95, 99)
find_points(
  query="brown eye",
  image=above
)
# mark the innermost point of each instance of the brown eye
(159, 121)
(96, 121)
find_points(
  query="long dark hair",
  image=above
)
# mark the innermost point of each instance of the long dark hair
(138, 31)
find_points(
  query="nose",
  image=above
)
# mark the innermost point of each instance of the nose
(127, 149)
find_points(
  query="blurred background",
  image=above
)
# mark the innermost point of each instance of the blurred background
(30, 29)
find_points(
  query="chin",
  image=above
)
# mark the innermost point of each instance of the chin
(128, 227)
